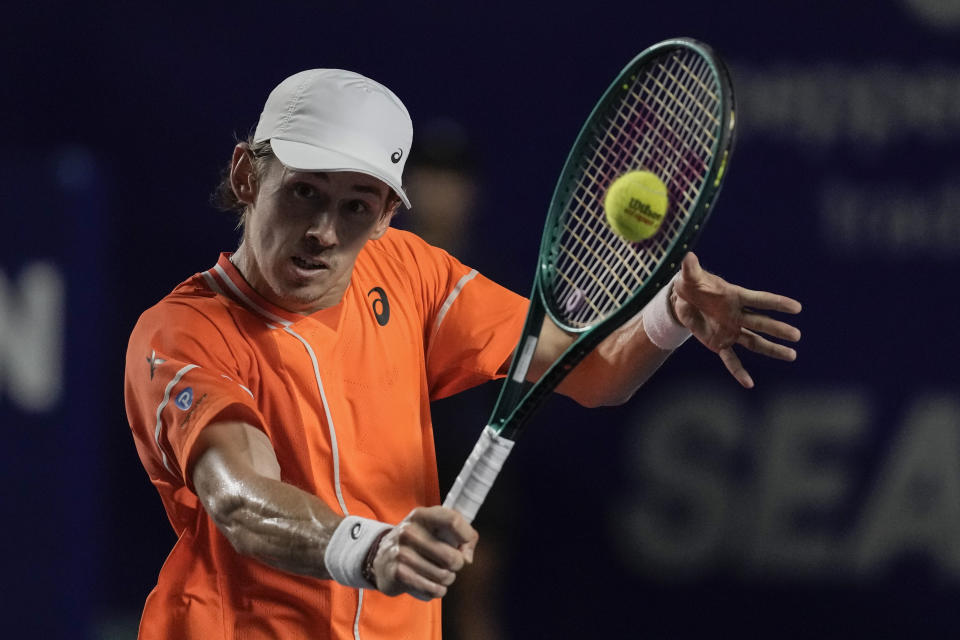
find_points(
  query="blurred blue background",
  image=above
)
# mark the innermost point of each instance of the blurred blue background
(823, 503)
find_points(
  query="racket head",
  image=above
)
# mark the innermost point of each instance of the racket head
(671, 112)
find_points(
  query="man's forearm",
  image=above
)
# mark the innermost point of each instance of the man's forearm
(277, 523)
(613, 372)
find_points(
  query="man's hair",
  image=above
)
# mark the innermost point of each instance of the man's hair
(225, 199)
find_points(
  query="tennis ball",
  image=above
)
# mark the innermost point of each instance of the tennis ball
(635, 205)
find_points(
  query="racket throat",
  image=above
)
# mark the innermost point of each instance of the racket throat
(519, 374)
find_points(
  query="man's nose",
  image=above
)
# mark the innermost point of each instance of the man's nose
(323, 229)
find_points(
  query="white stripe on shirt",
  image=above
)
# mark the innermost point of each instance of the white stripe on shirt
(162, 406)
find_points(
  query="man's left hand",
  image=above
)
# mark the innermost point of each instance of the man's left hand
(721, 315)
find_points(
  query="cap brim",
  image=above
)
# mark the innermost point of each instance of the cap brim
(306, 157)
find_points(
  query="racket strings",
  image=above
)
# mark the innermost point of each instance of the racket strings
(616, 149)
(664, 121)
(687, 169)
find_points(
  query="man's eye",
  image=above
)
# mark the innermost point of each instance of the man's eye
(357, 206)
(303, 190)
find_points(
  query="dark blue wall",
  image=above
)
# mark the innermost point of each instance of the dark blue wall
(826, 501)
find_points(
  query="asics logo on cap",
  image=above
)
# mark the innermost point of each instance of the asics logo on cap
(396, 155)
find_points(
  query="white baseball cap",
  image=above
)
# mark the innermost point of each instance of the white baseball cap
(335, 120)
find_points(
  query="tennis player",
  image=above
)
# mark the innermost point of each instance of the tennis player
(280, 400)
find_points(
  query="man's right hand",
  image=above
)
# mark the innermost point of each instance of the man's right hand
(422, 555)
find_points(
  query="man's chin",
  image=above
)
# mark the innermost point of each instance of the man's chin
(306, 292)
(309, 298)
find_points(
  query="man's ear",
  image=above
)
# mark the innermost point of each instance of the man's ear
(243, 177)
(384, 222)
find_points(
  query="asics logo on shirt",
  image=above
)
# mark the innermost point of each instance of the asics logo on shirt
(396, 155)
(381, 306)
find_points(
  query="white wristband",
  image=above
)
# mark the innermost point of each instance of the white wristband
(658, 321)
(348, 549)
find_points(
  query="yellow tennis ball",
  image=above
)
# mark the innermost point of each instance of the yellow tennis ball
(635, 205)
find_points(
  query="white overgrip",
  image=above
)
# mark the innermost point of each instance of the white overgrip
(478, 473)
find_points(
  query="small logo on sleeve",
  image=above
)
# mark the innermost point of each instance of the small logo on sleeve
(154, 362)
(188, 416)
(184, 399)
(396, 155)
(381, 306)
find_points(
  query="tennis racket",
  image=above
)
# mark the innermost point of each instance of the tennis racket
(669, 112)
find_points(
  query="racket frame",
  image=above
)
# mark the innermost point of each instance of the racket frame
(519, 398)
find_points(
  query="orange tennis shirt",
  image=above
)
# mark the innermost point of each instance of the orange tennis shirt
(344, 396)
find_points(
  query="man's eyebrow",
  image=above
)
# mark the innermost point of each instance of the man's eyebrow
(362, 188)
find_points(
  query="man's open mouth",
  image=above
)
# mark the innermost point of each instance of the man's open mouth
(308, 264)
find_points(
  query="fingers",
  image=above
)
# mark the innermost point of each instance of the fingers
(690, 267)
(450, 526)
(411, 568)
(735, 367)
(422, 555)
(769, 301)
(721, 315)
(692, 272)
(422, 550)
(769, 326)
(759, 344)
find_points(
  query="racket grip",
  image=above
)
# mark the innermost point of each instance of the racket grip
(479, 471)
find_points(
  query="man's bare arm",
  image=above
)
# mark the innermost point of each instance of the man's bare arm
(237, 478)
(719, 314)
